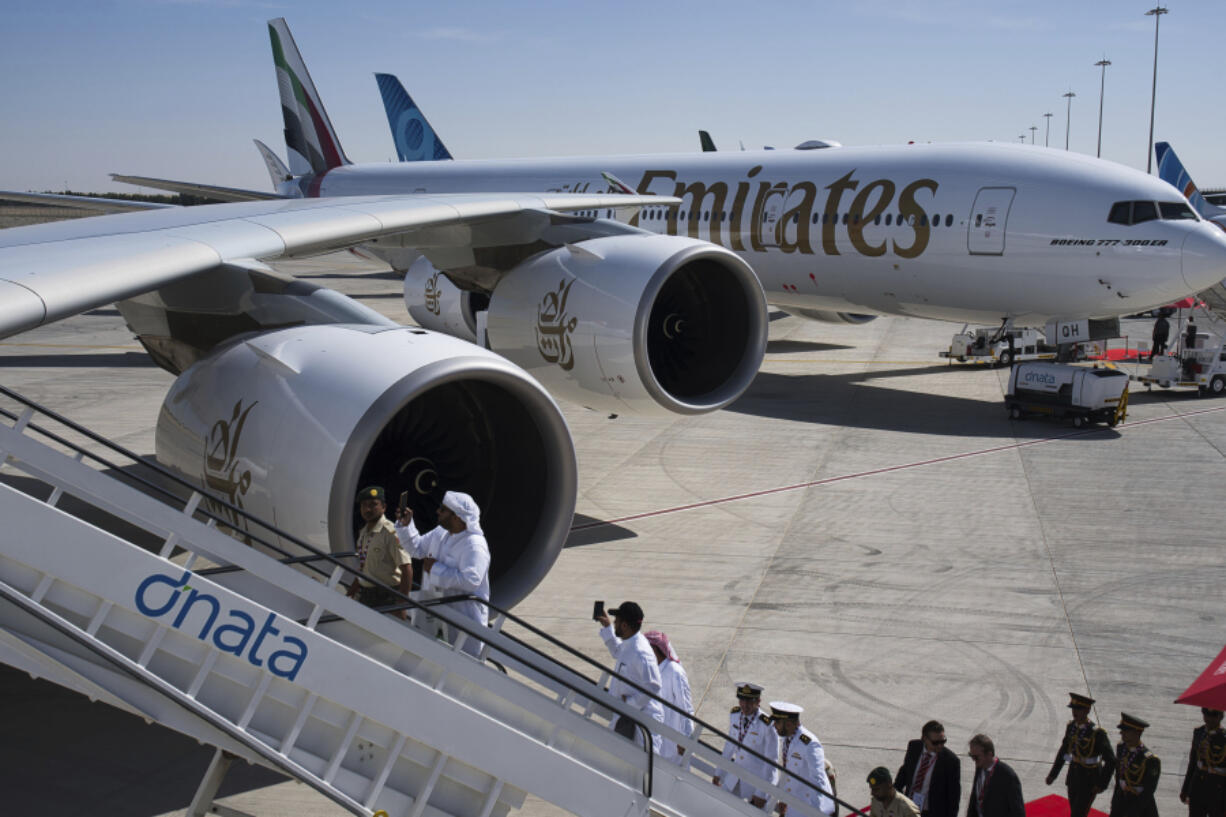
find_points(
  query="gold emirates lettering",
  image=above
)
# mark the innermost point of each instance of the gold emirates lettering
(795, 208)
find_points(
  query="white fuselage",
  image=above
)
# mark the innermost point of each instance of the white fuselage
(960, 232)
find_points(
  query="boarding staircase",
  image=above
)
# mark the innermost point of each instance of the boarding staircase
(255, 651)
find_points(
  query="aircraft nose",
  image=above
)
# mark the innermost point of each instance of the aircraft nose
(1203, 257)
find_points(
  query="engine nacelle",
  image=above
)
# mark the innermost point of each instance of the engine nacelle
(828, 317)
(436, 303)
(290, 424)
(647, 324)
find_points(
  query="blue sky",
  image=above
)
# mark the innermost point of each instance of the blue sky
(178, 88)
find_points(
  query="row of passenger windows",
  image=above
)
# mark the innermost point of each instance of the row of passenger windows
(1136, 212)
(818, 218)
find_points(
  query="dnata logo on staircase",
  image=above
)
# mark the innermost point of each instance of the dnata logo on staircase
(238, 635)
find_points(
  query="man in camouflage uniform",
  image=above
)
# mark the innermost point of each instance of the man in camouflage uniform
(1087, 749)
(1204, 784)
(1137, 770)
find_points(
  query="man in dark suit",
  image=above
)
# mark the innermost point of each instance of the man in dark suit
(931, 775)
(996, 791)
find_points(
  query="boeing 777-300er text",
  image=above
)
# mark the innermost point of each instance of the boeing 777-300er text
(979, 233)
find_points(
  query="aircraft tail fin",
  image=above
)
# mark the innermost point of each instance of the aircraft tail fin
(708, 144)
(277, 171)
(1172, 171)
(309, 136)
(415, 140)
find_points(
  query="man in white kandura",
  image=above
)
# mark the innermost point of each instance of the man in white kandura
(751, 728)
(675, 686)
(455, 557)
(802, 755)
(636, 662)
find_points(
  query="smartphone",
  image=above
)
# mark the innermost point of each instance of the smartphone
(404, 503)
(597, 610)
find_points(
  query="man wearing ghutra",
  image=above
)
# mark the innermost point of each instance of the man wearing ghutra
(455, 557)
(751, 728)
(674, 688)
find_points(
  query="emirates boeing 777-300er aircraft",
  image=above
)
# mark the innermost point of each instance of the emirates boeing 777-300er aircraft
(657, 308)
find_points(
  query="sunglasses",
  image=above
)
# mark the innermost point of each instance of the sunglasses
(940, 742)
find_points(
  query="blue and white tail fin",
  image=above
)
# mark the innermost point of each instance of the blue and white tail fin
(310, 139)
(1172, 171)
(415, 140)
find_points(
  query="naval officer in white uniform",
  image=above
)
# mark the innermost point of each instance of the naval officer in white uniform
(750, 726)
(802, 755)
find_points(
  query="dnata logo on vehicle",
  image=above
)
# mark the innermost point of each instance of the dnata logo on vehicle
(238, 635)
(1041, 377)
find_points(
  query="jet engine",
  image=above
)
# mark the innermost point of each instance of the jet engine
(436, 303)
(288, 425)
(648, 324)
(828, 317)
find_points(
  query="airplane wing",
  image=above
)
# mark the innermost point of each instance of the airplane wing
(207, 191)
(52, 271)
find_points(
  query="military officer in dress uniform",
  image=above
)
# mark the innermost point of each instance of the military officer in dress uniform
(1204, 784)
(752, 728)
(1136, 772)
(1087, 749)
(802, 755)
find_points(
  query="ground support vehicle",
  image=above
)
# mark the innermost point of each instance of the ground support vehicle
(1082, 394)
(989, 345)
(1201, 367)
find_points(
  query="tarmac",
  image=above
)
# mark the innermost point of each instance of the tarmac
(864, 532)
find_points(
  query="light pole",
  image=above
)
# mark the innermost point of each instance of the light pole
(1022, 138)
(1156, 12)
(1047, 137)
(1068, 116)
(1033, 128)
(1102, 87)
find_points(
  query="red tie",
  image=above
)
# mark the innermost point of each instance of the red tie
(921, 774)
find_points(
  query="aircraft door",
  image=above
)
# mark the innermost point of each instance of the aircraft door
(772, 211)
(985, 233)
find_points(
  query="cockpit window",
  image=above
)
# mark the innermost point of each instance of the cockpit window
(1136, 212)
(1144, 211)
(1176, 210)
(1121, 213)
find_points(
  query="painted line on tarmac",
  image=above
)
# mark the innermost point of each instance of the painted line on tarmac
(798, 486)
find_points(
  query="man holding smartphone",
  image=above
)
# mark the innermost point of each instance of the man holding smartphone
(636, 662)
(455, 557)
(380, 556)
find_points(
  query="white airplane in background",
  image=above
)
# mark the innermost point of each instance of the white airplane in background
(978, 233)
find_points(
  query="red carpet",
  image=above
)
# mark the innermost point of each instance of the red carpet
(1054, 805)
